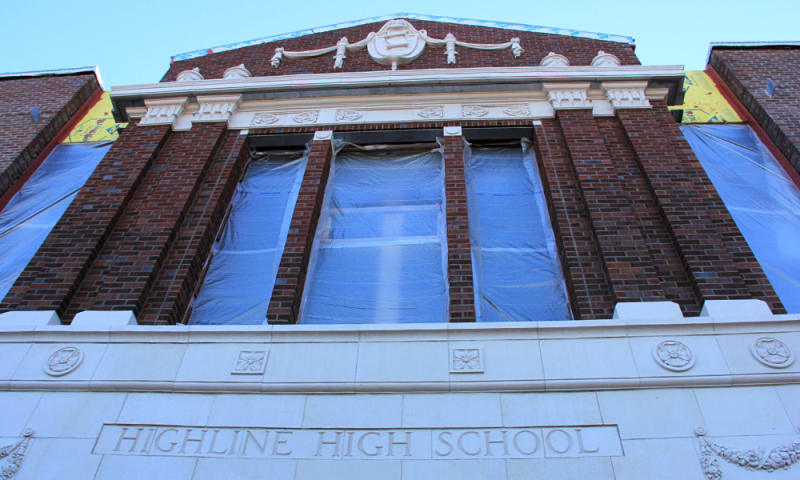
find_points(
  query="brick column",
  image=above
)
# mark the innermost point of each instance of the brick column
(630, 269)
(55, 272)
(177, 279)
(589, 291)
(459, 252)
(718, 260)
(120, 277)
(284, 306)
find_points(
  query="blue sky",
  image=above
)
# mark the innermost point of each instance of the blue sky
(132, 41)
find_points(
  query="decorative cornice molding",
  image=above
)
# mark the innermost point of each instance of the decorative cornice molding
(485, 75)
(216, 108)
(239, 71)
(189, 75)
(396, 43)
(627, 94)
(553, 59)
(568, 96)
(163, 111)
(603, 59)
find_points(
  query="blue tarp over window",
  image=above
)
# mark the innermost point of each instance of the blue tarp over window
(516, 269)
(35, 209)
(761, 198)
(240, 278)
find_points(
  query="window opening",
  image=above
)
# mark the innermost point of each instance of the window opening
(760, 196)
(240, 276)
(34, 210)
(517, 274)
(380, 248)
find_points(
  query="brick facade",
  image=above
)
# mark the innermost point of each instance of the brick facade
(745, 70)
(634, 215)
(579, 51)
(58, 98)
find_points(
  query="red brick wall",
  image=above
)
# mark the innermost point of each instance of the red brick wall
(21, 140)
(131, 258)
(717, 259)
(459, 250)
(284, 306)
(580, 51)
(746, 71)
(178, 278)
(55, 272)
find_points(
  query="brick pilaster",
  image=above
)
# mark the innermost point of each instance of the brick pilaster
(716, 256)
(626, 259)
(590, 293)
(120, 277)
(459, 253)
(177, 280)
(61, 263)
(284, 306)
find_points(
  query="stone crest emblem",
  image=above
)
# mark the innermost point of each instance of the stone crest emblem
(396, 43)
(772, 352)
(673, 355)
(63, 361)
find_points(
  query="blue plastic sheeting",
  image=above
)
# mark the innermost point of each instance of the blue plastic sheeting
(240, 278)
(35, 209)
(517, 274)
(761, 198)
(380, 248)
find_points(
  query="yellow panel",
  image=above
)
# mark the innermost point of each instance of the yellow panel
(703, 103)
(97, 125)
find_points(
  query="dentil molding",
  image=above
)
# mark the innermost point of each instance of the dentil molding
(627, 94)
(568, 96)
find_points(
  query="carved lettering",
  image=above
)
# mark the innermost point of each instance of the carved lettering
(446, 442)
(376, 449)
(581, 446)
(407, 443)
(566, 437)
(160, 435)
(522, 450)
(278, 442)
(321, 442)
(464, 449)
(489, 442)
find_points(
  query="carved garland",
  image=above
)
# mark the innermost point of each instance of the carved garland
(396, 43)
(13, 455)
(777, 458)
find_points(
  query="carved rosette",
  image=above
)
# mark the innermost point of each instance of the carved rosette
(63, 361)
(517, 111)
(772, 352)
(673, 355)
(466, 360)
(781, 457)
(13, 455)
(264, 119)
(250, 362)
(189, 75)
(473, 111)
(348, 115)
(431, 112)
(306, 117)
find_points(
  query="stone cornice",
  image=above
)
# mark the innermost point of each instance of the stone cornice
(483, 75)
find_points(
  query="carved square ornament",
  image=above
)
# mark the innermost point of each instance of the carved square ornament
(250, 362)
(466, 360)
